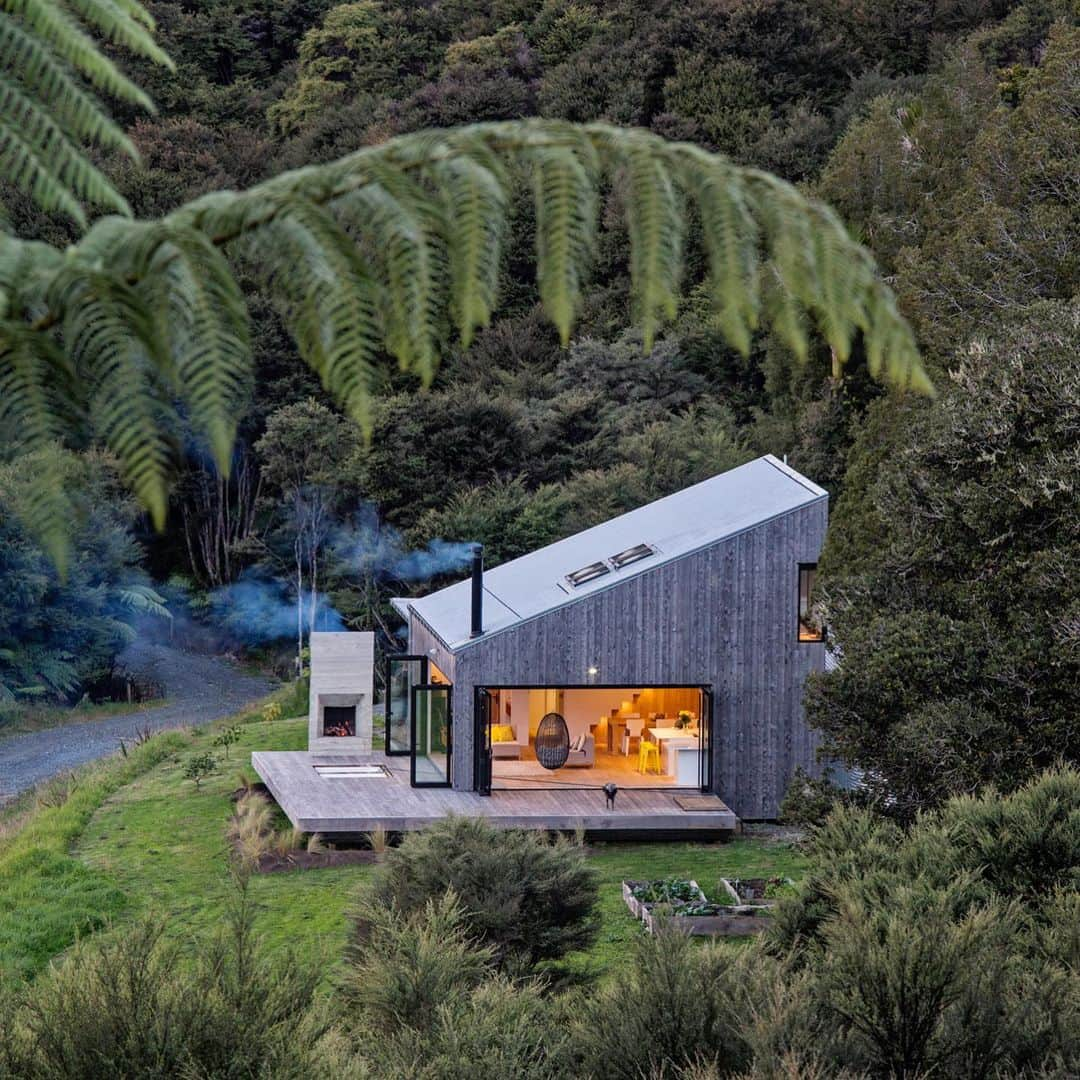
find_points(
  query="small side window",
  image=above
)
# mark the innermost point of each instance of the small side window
(809, 627)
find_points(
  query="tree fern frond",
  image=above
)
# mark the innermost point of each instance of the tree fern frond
(46, 49)
(731, 235)
(565, 198)
(388, 246)
(23, 166)
(123, 23)
(655, 221)
(33, 376)
(474, 219)
(26, 60)
(114, 345)
(54, 26)
(330, 299)
(21, 116)
(143, 600)
(397, 225)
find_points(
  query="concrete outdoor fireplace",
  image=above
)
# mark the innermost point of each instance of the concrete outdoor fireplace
(342, 684)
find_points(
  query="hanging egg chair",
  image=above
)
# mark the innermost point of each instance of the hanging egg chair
(552, 741)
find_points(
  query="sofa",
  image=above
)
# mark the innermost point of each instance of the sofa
(502, 747)
(583, 758)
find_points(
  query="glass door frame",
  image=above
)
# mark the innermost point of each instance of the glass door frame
(482, 765)
(389, 660)
(705, 732)
(448, 690)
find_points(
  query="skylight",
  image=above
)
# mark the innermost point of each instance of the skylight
(588, 573)
(632, 555)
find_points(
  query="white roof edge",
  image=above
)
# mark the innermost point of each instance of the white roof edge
(402, 606)
(798, 477)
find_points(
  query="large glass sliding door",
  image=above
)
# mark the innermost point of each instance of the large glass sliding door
(402, 674)
(430, 715)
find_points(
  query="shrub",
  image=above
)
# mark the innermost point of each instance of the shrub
(250, 829)
(1027, 844)
(528, 897)
(200, 766)
(668, 1009)
(131, 1007)
(403, 966)
(432, 993)
(227, 737)
(808, 800)
(500, 1029)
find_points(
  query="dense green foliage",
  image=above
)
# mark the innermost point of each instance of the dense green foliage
(526, 898)
(60, 637)
(946, 948)
(961, 663)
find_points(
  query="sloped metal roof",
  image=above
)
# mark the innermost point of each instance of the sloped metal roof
(675, 525)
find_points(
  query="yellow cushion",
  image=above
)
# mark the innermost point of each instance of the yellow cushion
(502, 733)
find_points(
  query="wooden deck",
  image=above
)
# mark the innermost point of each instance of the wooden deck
(346, 807)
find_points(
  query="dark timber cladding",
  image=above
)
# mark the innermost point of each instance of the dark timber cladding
(723, 614)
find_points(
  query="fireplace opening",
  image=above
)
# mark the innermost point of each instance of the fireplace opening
(339, 721)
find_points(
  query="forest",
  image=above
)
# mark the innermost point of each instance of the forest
(945, 136)
(369, 283)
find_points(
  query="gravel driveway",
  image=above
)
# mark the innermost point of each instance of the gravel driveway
(198, 689)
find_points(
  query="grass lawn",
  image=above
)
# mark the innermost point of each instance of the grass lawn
(137, 839)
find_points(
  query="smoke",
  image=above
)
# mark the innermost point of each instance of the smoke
(370, 547)
(256, 609)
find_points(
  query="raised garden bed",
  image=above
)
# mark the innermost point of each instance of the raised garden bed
(757, 892)
(681, 903)
(641, 894)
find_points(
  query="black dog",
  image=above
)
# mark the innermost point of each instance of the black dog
(610, 791)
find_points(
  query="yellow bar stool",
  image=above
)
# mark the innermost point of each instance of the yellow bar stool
(648, 756)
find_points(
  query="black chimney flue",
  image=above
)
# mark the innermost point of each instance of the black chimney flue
(477, 590)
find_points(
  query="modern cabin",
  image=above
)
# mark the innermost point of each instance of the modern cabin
(664, 651)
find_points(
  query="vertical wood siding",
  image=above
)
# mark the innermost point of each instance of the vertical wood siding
(725, 615)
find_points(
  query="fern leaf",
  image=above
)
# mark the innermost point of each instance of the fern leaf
(654, 217)
(397, 226)
(26, 60)
(475, 219)
(22, 119)
(330, 300)
(565, 198)
(387, 247)
(143, 600)
(208, 330)
(112, 340)
(33, 375)
(55, 27)
(731, 236)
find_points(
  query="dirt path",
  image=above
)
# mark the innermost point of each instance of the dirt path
(198, 689)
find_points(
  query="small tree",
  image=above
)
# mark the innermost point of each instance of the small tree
(271, 712)
(199, 767)
(227, 737)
